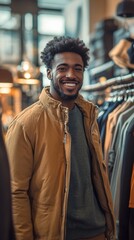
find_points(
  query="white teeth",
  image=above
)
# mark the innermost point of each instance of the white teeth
(70, 84)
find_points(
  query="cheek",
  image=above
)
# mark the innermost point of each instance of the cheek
(56, 79)
(80, 75)
(56, 76)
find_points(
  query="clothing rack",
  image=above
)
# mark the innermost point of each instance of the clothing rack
(128, 86)
(129, 78)
(102, 68)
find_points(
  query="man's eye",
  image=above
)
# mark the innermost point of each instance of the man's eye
(78, 69)
(62, 69)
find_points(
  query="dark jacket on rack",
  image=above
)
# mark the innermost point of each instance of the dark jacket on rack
(6, 223)
(44, 164)
(127, 167)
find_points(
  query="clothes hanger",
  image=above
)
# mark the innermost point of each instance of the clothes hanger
(119, 80)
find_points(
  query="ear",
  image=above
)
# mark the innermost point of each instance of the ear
(49, 74)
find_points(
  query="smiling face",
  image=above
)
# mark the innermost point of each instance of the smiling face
(66, 76)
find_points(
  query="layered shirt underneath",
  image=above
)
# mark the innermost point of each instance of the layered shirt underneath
(85, 217)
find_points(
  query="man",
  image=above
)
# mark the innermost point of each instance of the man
(59, 183)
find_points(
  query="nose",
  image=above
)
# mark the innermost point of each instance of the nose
(70, 73)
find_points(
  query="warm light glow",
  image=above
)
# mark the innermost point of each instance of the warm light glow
(102, 79)
(26, 67)
(31, 81)
(6, 85)
(27, 75)
(5, 90)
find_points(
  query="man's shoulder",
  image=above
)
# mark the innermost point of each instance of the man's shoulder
(83, 101)
(29, 115)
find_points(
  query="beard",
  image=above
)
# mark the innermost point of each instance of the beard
(62, 95)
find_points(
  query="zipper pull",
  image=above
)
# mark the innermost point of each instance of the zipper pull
(65, 138)
(65, 125)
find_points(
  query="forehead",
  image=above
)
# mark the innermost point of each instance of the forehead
(69, 58)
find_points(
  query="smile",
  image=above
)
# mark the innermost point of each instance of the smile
(70, 84)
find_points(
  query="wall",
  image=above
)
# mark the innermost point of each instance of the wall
(77, 19)
(97, 11)
(101, 9)
(92, 11)
(111, 7)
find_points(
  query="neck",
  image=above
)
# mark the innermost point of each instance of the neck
(66, 103)
(69, 104)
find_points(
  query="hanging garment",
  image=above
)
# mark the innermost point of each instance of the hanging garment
(115, 147)
(131, 198)
(6, 224)
(103, 119)
(131, 205)
(116, 183)
(111, 125)
(126, 173)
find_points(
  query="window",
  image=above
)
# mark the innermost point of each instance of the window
(9, 46)
(9, 36)
(51, 24)
(5, 1)
(27, 34)
(53, 4)
(7, 20)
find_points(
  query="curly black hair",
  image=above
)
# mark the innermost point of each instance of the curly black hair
(64, 44)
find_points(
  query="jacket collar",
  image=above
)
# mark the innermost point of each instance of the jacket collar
(85, 106)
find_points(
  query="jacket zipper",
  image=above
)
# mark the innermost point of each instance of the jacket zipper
(66, 180)
(65, 126)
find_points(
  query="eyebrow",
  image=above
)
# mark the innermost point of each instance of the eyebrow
(75, 65)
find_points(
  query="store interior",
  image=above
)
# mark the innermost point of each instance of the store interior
(26, 26)
(107, 28)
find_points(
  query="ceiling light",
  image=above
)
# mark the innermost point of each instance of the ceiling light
(27, 73)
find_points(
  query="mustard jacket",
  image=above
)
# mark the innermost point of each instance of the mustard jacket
(38, 144)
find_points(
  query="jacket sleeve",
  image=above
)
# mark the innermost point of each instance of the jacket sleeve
(21, 163)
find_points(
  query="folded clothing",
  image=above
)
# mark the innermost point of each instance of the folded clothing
(123, 53)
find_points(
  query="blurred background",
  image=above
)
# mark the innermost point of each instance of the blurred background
(27, 25)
